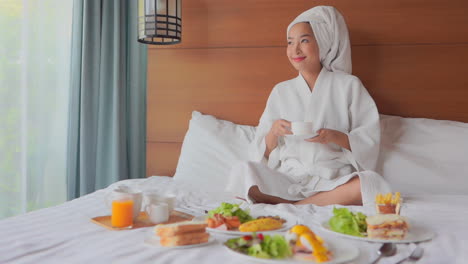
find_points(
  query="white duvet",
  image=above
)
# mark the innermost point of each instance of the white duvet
(65, 234)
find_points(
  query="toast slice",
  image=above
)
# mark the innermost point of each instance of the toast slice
(180, 228)
(184, 239)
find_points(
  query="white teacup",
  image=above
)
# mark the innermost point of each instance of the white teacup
(158, 212)
(153, 197)
(302, 128)
(135, 195)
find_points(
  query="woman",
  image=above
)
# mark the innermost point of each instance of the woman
(336, 166)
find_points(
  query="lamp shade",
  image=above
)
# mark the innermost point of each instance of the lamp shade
(160, 21)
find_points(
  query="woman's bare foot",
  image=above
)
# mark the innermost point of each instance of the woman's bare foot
(258, 197)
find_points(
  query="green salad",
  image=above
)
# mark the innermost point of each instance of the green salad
(347, 222)
(227, 209)
(261, 246)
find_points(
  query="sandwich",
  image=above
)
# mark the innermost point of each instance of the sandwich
(182, 233)
(387, 226)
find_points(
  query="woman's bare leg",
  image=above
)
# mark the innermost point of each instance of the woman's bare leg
(259, 197)
(346, 194)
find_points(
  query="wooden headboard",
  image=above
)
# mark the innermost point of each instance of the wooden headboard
(411, 55)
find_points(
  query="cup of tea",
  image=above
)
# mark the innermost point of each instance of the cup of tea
(302, 128)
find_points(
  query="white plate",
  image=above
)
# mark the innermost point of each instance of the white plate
(290, 222)
(416, 233)
(153, 240)
(306, 136)
(342, 253)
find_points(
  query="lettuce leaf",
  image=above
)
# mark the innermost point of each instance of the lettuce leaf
(277, 247)
(271, 247)
(346, 222)
(227, 209)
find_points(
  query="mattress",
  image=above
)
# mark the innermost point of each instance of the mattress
(65, 234)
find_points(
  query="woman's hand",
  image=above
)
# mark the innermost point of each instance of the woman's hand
(279, 128)
(326, 136)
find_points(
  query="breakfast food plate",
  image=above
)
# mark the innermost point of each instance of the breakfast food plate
(342, 252)
(152, 240)
(416, 233)
(289, 221)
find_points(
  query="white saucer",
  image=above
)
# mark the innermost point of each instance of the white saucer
(304, 136)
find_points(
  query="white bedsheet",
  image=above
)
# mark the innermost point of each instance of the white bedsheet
(65, 234)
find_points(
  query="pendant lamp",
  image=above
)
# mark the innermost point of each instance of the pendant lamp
(160, 21)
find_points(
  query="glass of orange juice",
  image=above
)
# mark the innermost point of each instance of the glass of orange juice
(122, 210)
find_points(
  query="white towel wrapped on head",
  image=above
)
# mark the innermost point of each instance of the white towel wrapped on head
(331, 34)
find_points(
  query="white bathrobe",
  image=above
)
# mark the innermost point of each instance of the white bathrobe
(297, 169)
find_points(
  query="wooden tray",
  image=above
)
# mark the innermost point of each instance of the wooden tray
(142, 220)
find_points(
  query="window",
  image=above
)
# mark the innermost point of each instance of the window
(34, 86)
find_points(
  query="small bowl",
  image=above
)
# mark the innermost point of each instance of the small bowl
(388, 208)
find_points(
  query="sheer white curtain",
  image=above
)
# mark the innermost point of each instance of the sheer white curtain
(34, 87)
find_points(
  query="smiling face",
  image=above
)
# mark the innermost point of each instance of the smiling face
(303, 51)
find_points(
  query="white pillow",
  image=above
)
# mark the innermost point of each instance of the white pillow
(211, 146)
(424, 156)
(417, 156)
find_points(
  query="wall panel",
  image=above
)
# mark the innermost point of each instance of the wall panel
(248, 23)
(229, 92)
(410, 55)
(161, 158)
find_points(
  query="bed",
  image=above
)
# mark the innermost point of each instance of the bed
(198, 126)
(65, 234)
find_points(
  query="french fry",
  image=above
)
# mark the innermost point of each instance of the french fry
(388, 198)
(397, 196)
(378, 199)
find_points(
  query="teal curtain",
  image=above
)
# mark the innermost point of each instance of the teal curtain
(107, 124)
